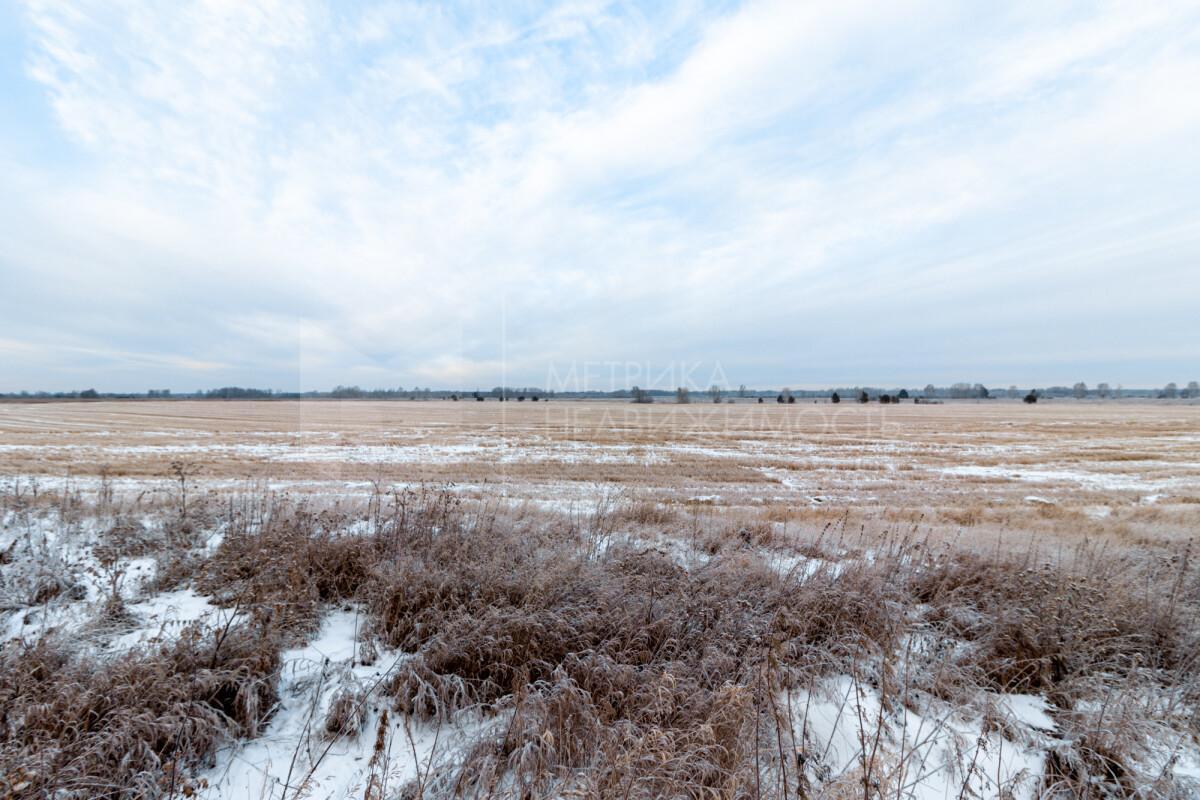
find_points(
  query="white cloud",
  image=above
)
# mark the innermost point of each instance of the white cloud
(413, 192)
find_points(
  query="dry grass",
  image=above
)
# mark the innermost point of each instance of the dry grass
(287, 570)
(1039, 626)
(134, 727)
(624, 675)
(622, 672)
(1104, 462)
(621, 665)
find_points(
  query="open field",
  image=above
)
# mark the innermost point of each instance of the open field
(436, 599)
(1118, 466)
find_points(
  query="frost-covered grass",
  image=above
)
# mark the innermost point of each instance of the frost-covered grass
(409, 642)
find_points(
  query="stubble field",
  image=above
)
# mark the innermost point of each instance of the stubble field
(1118, 467)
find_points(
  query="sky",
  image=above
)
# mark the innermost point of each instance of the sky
(295, 194)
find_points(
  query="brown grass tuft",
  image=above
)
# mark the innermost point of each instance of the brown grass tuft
(70, 727)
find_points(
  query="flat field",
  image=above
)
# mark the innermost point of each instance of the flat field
(596, 599)
(1118, 466)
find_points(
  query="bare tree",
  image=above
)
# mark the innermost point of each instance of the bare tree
(1170, 391)
(639, 395)
(1193, 389)
(714, 392)
(1013, 393)
(1079, 390)
(930, 390)
(742, 390)
(1103, 390)
(960, 391)
(681, 395)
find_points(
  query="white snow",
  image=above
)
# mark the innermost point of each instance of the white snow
(1030, 710)
(923, 756)
(803, 567)
(1087, 480)
(164, 615)
(294, 757)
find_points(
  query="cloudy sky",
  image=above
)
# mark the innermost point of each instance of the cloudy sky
(293, 193)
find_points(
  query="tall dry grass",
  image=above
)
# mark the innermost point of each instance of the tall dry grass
(630, 653)
(133, 727)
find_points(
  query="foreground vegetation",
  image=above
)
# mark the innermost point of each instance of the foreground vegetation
(638, 650)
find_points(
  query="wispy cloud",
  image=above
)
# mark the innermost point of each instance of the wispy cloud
(309, 193)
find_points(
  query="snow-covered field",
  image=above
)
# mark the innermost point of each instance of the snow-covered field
(1114, 456)
(934, 685)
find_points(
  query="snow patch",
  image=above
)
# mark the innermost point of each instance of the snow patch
(915, 756)
(296, 757)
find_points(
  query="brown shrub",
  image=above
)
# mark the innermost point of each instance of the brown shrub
(288, 568)
(647, 512)
(346, 714)
(626, 674)
(71, 727)
(1036, 627)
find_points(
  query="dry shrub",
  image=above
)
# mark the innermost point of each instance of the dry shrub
(561, 741)
(612, 669)
(347, 712)
(1037, 627)
(625, 674)
(855, 610)
(781, 512)
(71, 727)
(34, 573)
(963, 515)
(288, 567)
(647, 512)
(125, 538)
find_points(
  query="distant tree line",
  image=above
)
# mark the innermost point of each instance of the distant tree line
(715, 393)
(237, 393)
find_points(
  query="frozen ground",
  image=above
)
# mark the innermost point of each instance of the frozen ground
(679, 486)
(862, 455)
